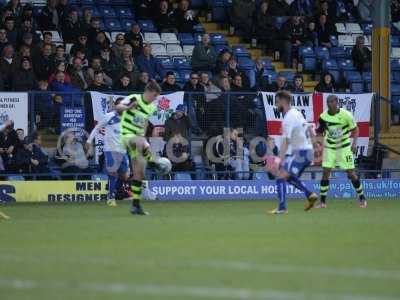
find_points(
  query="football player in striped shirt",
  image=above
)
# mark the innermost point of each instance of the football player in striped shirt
(336, 125)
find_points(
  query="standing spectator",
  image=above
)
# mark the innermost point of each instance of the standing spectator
(59, 67)
(297, 86)
(293, 34)
(195, 102)
(134, 34)
(118, 46)
(49, 18)
(9, 144)
(86, 19)
(204, 56)
(165, 18)
(326, 84)
(71, 27)
(302, 8)
(96, 67)
(145, 9)
(240, 103)
(98, 83)
(42, 64)
(143, 80)
(311, 36)
(279, 85)
(24, 79)
(81, 45)
(361, 55)
(325, 30)
(79, 76)
(124, 84)
(280, 8)
(147, 63)
(8, 65)
(265, 29)
(169, 84)
(93, 30)
(178, 123)
(12, 32)
(185, 18)
(3, 39)
(242, 16)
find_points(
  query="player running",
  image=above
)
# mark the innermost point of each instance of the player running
(137, 109)
(336, 124)
(115, 155)
(296, 152)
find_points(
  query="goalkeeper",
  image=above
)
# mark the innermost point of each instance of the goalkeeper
(336, 124)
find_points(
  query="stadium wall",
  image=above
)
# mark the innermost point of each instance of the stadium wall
(94, 191)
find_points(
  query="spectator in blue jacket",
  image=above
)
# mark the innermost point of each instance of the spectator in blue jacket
(147, 63)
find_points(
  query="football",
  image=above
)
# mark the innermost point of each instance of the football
(164, 166)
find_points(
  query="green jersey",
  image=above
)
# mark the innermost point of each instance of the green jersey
(336, 128)
(134, 121)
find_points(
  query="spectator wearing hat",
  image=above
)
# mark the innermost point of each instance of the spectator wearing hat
(204, 56)
(8, 65)
(124, 84)
(42, 63)
(95, 66)
(12, 33)
(82, 45)
(148, 63)
(169, 84)
(24, 79)
(71, 27)
(79, 76)
(177, 124)
(3, 39)
(134, 37)
(49, 18)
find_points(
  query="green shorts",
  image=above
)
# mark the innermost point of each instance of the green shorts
(340, 158)
(130, 141)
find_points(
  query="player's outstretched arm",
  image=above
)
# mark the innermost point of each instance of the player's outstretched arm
(127, 103)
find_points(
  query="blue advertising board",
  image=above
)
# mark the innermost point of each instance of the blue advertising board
(262, 190)
(72, 117)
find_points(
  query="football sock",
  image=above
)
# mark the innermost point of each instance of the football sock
(112, 186)
(136, 186)
(296, 182)
(359, 189)
(281, 188)
(324, 190)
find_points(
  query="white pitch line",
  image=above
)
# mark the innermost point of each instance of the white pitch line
(241, 266)
(166, 291)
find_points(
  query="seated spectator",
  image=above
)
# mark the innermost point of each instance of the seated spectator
(184, 17)
(302, 8)
(47, 40)
(134, 35)
(81, 45)
(118, 46)
(326, 84)
(72, 156)
(240, 103)
(49, 18)
(265, 29)
(24, 51)
(3, 39)
(195, 101)
(95, 66)
(148, 63)
(27, 41)
(100, 42)
(222, 61)
(42, 63)
(12, 32)
(79, 76)
(292, 36)
(27, 27)
(43, 100)
(27, 13)
(279, 85)
(63, 9)
(145, 9)
(86, 19)
(129, 69)
(280, 8)
(93, 30)
(239, 159)
(8, 65)
(204, 56)
(15, 7)
(9, 144)
(109, 64)
(297, 86)
(328, 8)
(124, 84)
(233, 71)
(169, 84)
(165, 18)
(24, 79)
(261, 81)
(361, 55)
(177, 124)
(325, 30)
(177, 149)
(143, 80)
(71, 27)
(40, 156)
(242, 16)
(311, 36)
(212, 92)
(98, 83)
(60, 55)
(126, 56)
(60, 67)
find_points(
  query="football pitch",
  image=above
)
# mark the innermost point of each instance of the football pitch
(200, 250)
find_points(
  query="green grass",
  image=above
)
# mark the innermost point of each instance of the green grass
(200, 250)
